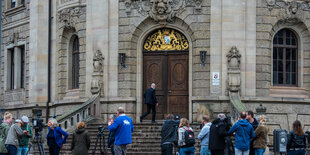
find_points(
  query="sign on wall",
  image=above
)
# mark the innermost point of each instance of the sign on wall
(215, 78)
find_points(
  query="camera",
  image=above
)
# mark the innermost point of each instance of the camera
(37, 120)
(227, 122)
(307, 134)
(101, 129)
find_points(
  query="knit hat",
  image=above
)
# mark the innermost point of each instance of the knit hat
(25, 119)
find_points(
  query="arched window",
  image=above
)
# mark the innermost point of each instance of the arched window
(285, 56)
(75, 63)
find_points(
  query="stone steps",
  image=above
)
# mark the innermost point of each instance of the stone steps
(146, 139)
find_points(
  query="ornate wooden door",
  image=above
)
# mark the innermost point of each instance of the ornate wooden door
(165, 63)
(177, 99)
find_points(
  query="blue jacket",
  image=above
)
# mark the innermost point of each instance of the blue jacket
(58, 133)
(123, 127)
(205, 134)
(244, 134)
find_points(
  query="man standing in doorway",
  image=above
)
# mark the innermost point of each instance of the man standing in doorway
(151, 102)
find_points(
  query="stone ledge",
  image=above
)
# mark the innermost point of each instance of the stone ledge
(288, 92)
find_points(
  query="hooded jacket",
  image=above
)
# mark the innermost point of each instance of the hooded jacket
(217, 135)
(169, 131)
(80, 142)
(4, 129)
(205, 134)
(123, 128)
(60, 136)
(244, 134)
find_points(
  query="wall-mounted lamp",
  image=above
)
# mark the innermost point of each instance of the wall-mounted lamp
(203, 55)
(122, 58)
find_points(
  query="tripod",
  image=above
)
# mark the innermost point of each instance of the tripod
(37, 140)
(101, 139)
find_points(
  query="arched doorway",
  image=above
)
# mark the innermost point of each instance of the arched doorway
(166, 63)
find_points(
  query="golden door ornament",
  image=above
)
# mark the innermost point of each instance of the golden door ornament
(166, 40)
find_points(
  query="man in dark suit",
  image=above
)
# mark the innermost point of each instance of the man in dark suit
(151, 102)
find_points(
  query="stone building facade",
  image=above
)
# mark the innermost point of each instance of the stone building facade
(206, 56)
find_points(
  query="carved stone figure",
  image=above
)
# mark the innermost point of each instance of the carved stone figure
(98, 61)
(13, 38)
(161, 10)
(68, 17)
(234, 58)
(95, 86)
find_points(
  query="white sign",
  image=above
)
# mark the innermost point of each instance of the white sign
(215, 78)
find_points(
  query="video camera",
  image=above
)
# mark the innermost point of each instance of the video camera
(37, 120)
(101, 129)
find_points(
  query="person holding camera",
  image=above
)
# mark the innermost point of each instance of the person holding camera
(56, 137)
(123, 128)
(204, 136)
(168, 135)
(296, 144)
(217, 135)
(186, 138)
(23, 143)
(11, 142)
(80, 140)
(4, 129)
(244, 133)
(111, 137)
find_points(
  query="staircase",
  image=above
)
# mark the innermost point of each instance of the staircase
(146, 139)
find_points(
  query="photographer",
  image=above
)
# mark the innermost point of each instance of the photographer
(296, 140)
(111, 137)
(54, 137)
(217, 135)
(11, 142)
(23, 143)
(168, 135)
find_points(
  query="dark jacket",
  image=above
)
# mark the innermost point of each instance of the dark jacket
(58, 133)
(150, 96)
(4, 129)
(169, 131)
(254, 124)
(244, 134)
(80, 142)
(295, 141)
(25, 138)
(217, 135)
(111, 139)
(260, 140)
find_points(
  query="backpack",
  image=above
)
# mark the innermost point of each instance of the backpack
(189, 137)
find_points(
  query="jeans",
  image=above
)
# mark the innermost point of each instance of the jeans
(205, 150)
(259, 151)
(297, 152)
(187, 150)
(54, 150)
(167, 149)
(11, 149)
(120, 149)
(4, 154)
(241, 152)
(22, 151)
(148, 111)
(112, 150)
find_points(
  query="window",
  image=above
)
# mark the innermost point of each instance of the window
(13, 3)
(12, 70)
(16, 64)
(75, 63)
(285, 56)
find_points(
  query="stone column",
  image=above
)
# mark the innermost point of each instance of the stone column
(233, 24)
(38, 51)
(17, 67)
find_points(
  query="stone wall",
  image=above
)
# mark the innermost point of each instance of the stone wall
(71, 21)
(270, 19)
(15, 32)
(134, 27)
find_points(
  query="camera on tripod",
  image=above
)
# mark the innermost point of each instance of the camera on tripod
(101, 129)
(37, 120)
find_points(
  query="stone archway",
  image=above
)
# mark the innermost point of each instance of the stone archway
(165, 63)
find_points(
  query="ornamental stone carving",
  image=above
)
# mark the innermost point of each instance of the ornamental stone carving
(68, 17)
(98, 61)
(161, 10)
(233, 58)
